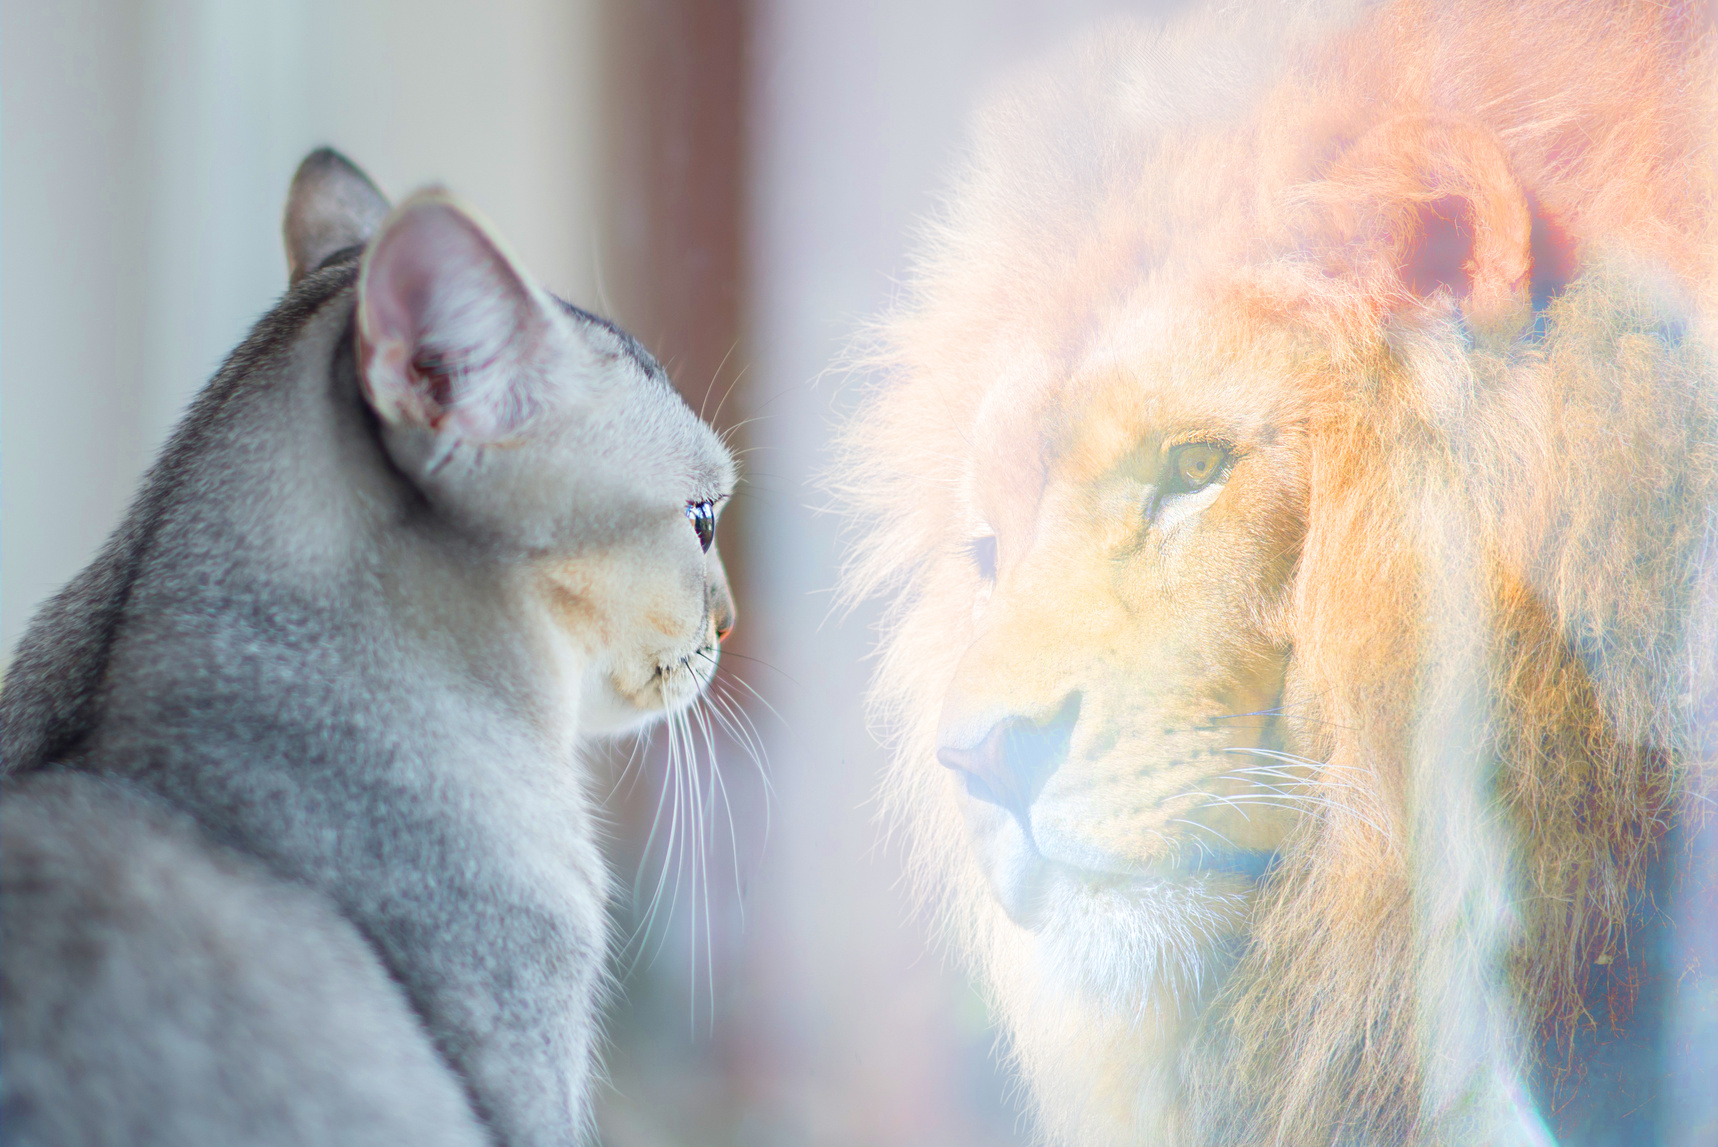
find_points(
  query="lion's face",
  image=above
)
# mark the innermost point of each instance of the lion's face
(1301, 477)
(1114, 720)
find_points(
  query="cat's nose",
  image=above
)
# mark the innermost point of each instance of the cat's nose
(720, 602)
(722, 613)
(1010, 763)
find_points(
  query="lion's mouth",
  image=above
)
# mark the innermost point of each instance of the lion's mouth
(1028, 887)
(1189, 868)
(1253, 864)
(1029, 866)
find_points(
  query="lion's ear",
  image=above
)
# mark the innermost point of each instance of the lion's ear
(1422, 204)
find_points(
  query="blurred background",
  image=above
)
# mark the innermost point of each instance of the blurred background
(737, 183)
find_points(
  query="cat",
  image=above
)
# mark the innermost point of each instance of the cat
(297, 844)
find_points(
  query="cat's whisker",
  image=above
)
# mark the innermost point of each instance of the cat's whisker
(743, 452)
(749, 736)
(739, 725)
(638, 750)
(728, 655)
(739, 377)
(650, 839)
(711, 385)
(675, 855)
(728, 433)
(761, 699)
(704, 713)
(641, 932)
(688, 831)
(669, 798)
(691, 854)
(706, 796)
(696, 715)
(745, 729)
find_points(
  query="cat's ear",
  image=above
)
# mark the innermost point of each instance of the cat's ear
(332, 206)
(453, 337)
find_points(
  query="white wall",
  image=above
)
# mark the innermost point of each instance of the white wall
(71, 288)
(145, 149)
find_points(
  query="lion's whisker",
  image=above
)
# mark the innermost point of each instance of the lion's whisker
(1207, 828)
(1291, 758)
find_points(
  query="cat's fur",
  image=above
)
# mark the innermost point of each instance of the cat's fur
(297, 844)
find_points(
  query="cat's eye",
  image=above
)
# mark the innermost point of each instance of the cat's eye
(983, 551)
(703, 517)
(1193, 466)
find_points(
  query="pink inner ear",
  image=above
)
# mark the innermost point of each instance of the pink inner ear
(1434, 196)
(396, 288)
(1441, 252)
(450, 329)
(1555, 262)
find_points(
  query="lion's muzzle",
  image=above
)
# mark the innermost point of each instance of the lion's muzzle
(1010, 763)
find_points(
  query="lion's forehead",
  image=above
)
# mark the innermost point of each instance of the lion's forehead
(1142, 386)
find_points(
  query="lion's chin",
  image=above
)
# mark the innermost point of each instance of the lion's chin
(1123, 938)
(1032, 889)
(1128, 945)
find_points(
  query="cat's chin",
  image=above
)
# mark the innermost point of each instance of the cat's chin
(607, 710)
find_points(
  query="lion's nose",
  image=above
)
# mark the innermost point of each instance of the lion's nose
(1009, 765)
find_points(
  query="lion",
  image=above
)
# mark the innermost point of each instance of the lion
(1292, 468)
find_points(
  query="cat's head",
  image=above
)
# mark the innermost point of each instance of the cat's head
(545, 442)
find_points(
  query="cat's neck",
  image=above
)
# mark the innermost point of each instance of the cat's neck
(308, 589)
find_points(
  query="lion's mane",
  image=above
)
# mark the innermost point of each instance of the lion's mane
(1504, 609)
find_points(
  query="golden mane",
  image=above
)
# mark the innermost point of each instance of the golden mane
(1505, 596)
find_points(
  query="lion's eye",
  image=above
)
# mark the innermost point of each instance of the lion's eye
(1193, 466)
(983, 551)
(703, 516)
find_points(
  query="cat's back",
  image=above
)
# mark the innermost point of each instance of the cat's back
(205, 1000)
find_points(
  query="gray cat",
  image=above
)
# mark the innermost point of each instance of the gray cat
(297, 844)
